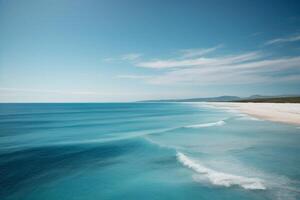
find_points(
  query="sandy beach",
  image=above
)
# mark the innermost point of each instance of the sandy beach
(279, 112)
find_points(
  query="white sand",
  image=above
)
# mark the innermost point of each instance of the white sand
(279, 112)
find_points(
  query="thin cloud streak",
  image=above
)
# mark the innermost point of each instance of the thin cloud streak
(131, 56)
(251, 72)
(294, 38)
(193, 67)
(202, 61)
(188, 53)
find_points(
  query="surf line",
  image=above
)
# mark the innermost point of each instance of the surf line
(220, 178)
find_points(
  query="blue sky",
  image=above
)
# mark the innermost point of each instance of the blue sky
(95, 51)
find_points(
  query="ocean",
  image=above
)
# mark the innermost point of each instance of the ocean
(94, 151)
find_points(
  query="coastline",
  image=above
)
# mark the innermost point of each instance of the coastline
(278, 112)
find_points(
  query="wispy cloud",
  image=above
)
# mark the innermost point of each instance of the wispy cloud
(199, 62)
(188, 53)
(242, 73)
(131, 56)
(195, 67)
(284, 40)
(126, 57)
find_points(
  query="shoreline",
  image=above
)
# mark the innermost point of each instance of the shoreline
(278, 112)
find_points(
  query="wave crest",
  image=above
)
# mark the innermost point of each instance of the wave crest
(220, 178)
(218, 123)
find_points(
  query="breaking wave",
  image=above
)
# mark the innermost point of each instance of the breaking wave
(218, 123)
(220, 178)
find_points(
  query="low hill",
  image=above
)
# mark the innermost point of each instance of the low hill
(272, 100)
(253, 98)
(207, 99)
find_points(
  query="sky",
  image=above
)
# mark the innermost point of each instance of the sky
(114, 51)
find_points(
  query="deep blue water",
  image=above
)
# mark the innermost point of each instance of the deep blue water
(144, 151)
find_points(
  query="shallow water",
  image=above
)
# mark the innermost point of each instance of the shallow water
(144, 151)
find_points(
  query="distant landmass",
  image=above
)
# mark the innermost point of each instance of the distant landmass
(295, 99)
(253, 98)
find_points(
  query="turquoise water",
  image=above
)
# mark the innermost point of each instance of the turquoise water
(144, 151)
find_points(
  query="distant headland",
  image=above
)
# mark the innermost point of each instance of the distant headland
(253, 98)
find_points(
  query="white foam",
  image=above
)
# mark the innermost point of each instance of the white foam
(220, 178)
(218, 123)
(247, 117)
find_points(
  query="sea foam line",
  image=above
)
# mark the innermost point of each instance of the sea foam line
(218, 123)
(220, 178)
